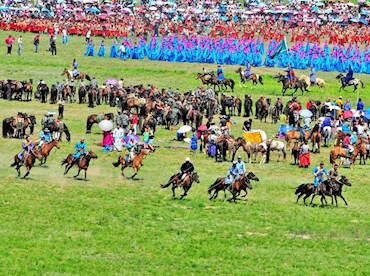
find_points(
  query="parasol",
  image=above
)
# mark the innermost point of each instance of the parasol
(305, 113)
(347, 114)
(106, 125)
(132, 136)
(334, 107)
(111, 81)
(202, 127)
(184, 129)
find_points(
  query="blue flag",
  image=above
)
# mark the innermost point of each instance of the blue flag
(281, 48)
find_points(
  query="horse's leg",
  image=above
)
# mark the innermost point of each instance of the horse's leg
(85, 175)
(135, 172)
(312, 199)
(173, 190)
(185, 192)
(299, 196)
(343, 200)
(78, 173)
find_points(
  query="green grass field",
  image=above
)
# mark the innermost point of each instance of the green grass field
(55, 224)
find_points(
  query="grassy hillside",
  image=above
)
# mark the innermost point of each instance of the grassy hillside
(55, 224)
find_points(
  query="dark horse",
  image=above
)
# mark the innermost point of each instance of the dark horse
(262, 109)
(355, 82)
(29, 162)
(186, 183)
(82, 163)
(10, 126)
(297, 84)
(212, 80)
(94, 119)
(59, 129)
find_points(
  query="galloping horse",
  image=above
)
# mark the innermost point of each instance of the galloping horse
(239, 185)
(296, 135)
(93, 119)
(220, 185)
(320, 82)
(253, 77)
(136, 163)
(186, 183)
(298, 84)
(82, 163)
(69, 74)
(359, 148)
(29, 162)
(355, 82)
(46, 149)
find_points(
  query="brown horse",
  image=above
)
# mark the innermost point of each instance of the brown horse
(316, 141)
(69, 74)
(46, 149)
(220, 185)
(253, 77)
(94, 118)
(239, 185)
(29, 162)
(135, 164)
(82, 163)
(291, 135)
(359, 148)
(186, 183)
(104, 94)
(28, 90)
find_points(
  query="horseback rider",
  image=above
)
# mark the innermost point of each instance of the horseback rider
(220, 74)
(27, 148)
(247, 72)
(312, 75)
(349, 76)
(186, 169)
(20, 123)
(241, 167)
(75, 71)
(206, 74)
(45, 136)
(290, 76)
(318, 173)
(352, 141)
(333, 175)
(133, 149)
(81, 150)
(94, 83)
(232, 175)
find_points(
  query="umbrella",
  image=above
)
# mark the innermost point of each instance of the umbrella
(334, 107)
(159, 3)
(305, 113)
(367, 114)
(321, 119)
(153, 8)
(184, 129)
(132, 136)
(126, 10)
(111, 81)
(202, 127)
(106, 125)
(347, 114)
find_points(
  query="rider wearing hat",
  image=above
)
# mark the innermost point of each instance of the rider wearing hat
(232, 175)
(45, 136)
(186, 169)
(75, 72)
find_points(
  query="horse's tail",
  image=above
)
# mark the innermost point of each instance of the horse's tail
(232, 84)
(299, 189)
(5, 129)
(213, 186)
(68, 135)
(331, 157)
(88, 125)
(116, 164)
(260, 79)
(362, 84)
(64, 161)
(284, 152)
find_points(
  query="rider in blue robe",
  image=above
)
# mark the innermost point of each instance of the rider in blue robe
(75, 71)
(220, 74)
(312, 75)
(349, 75)
(80, 148)
(101, 52)
(247, 71)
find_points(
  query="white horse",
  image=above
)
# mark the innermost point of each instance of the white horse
(327, 135)
(278, 146)
(320, 82)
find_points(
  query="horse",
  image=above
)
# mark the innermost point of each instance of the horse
(59, 128)
(253, 77)
(11, 126)
(262, 109)
(46, 149)
(28, 90)
(186, 183)
(326, 135)
(195, 117)
(82, 163)
(69, 74)
(220, 185)
(239, 185)
(359, 148)
(295, 153)
(94, 119)
(104, 93)
(226, 82)
(251, 148)
(223, 144)
(355, 82)
(82, 91)
(296, 135)
(29, 162)
(297, 84)
(136, 163)
(319, 82)
(274, 114)
(67, 92)
(212, 80)
(316, 141)
(332, 188)
(278, 146)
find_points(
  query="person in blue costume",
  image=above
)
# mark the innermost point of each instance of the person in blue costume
(220, 74)
(45, 137)
(318, 173)
(290, 75)
(113, 50)
(80, 148)
(75, 71)
(247, 71)
(326, 122)
(101, 52)
(90, 50)
(312, 75)
(349, 75)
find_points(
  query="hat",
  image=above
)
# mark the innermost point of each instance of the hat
(187, 159)
(321, 163)
(46, 129)
(234, 162)
(239, 157)
(340, 97)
